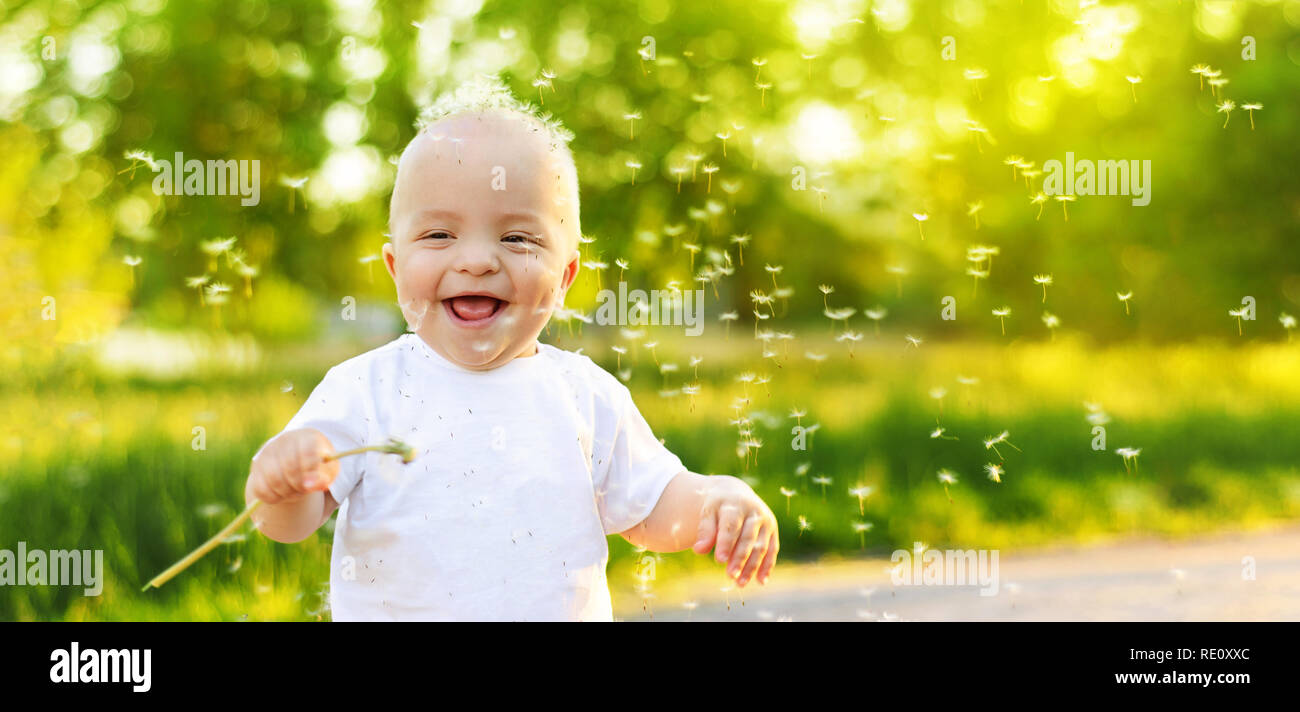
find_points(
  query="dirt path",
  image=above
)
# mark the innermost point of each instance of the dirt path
(1135, 580)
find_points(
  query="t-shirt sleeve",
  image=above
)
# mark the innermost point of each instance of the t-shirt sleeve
(337, 409)
(637, 467)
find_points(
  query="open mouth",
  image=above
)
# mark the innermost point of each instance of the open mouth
(473, 310)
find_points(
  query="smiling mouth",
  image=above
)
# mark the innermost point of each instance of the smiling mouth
(473, 310)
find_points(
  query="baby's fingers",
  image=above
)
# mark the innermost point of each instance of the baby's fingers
(744, 546)
(729, 525)
(765, 569)
(708, 532)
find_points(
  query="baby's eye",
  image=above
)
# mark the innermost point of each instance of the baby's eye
(518, 238)
(436, 235)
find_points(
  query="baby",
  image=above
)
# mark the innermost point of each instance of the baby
(528, 455)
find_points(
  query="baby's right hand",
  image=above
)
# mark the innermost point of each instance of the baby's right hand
(292, 465)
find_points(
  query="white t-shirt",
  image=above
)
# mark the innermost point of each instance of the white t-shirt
(521, 473)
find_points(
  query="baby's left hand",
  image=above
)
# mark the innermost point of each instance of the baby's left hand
(743, 528)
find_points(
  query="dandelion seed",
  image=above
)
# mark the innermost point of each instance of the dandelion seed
(1216, 83)
(762, 87)
(774, 271)
(978, 275)
(631, 119)
(992, 443)
(634, 165)
(1133, 81)
(804, 524)
(1013, 161)
(899, 271)
(973, 210)
(861, 529)
(1251, 109)
(137, 157)
(994, 471)
(596, 267)
(938, 434)
(294, 184)
(1226, 108)
(1129, 454)
(1045, 280)
(920, 220)
(912, 341)
(947, 477)
(1063, 199)
(1002, 314)
(823, 481)
(1288, 323)
(1199, 70)
(1039, 199)
(198, 283)
(852, 337)
(974, 75)
(1124, 298)
(758, 63)
(709, 170)
(216, 247)
(787, 493)
(740, 241)
(1238, 313)
(248, 272)
(1051, 322)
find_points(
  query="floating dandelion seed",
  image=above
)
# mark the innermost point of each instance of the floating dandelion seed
(823, 481)
(618, 357)
(214, 248)
(798, 415)
(826, 290)
(1039, 199)
(1063, 199)
(596, 267)
(1216, 83)
(821, 196)
(875, 314)
(774, 270)
(810, 58)
(1238, 313)
(920, 220)
(1226, 108)
(1199, 70)
(974, 75)
(992, 443)
(198, 283)
(1251, 109)
(1124, 298)
(1045, 280)
(861, 492)
(758, 63)
(1028, 173)
(1002, 314)
(1013, 161)
(678, 171)
(633, 165)
(995, 472)
(132, 261)
(947, 477)
(899, 271)
(804, 524)
(861, 529)
(294, 184)
(1051, 322)
(694, 158)
(137, 157)
(762, 87)
(724, 135)
(622, 267)
(938, 434)
(631, 119)
(787, 493)
(978, 275)
(973, 210)
(1133, 81)
(709, 170)
(740, 241)
(248, 272)
(1128, 454)
(852, 337)
(1288, 323)
(913, 341)
(369, 261)
(727, 318)
(651, 345)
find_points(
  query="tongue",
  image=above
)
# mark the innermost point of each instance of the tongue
(473, 308)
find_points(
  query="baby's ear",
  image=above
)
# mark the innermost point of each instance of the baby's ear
(390, 256)
(571, 271)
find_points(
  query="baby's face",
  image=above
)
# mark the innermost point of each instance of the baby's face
(485, 246)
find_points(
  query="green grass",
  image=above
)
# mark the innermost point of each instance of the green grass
(109, 464)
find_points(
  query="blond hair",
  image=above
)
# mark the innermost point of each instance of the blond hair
(489, 94)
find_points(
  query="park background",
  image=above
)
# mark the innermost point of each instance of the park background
(905, 121)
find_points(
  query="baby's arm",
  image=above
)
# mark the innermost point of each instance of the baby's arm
(291, 476)
(717, 509)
